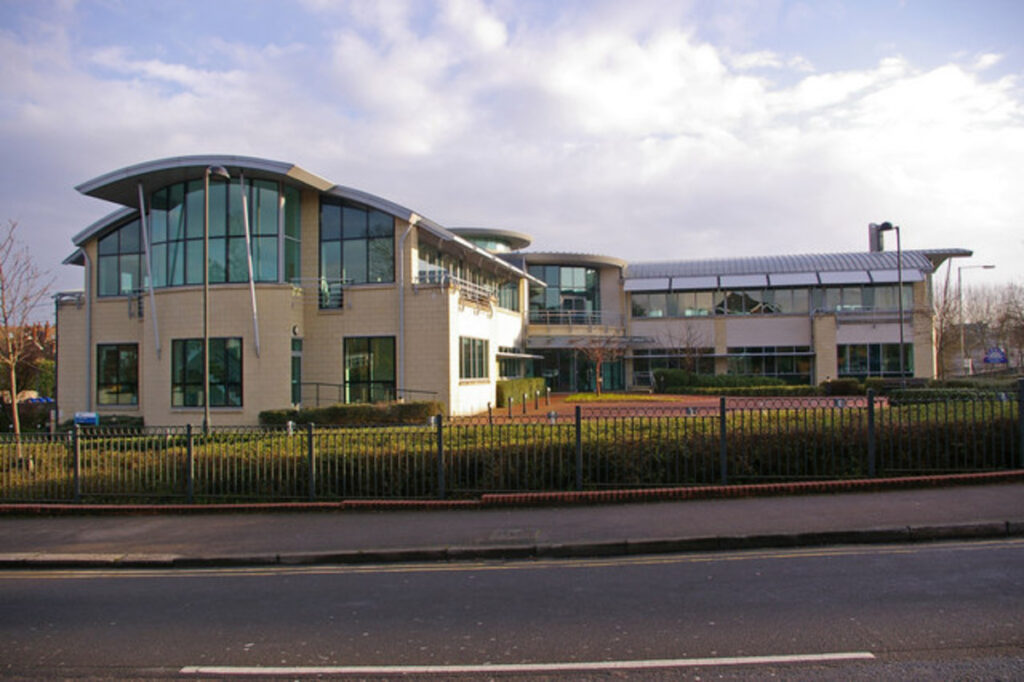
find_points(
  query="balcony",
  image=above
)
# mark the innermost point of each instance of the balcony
(575, 322)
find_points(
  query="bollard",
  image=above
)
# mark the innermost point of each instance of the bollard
(525, 398)
(547, 397)
(490, 416)
(510, 407)
(536, 400)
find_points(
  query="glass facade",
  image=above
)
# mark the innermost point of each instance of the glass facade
(120, 265)
(647, 360)
(369, 369)
(117, 374)
(782, 301)
(793, 364)
(357, 246)
(176, 218)
(225, 372)
(864, 360)
(572, 295)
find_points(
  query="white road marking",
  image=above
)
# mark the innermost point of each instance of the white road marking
(495, 668)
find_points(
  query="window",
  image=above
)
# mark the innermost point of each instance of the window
(176, 228)
(874, 360)
(369, 369)
(120, 266)
(357, 246)
(572, 295)
(473, 358)
(508, 296)
(225, 372)
(117, 374)
(792, 364)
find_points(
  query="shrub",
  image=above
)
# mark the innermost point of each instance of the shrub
(842, 387)
(355, 415)
(671, 380)
(515, 388)
(748, 390)
(33, 417)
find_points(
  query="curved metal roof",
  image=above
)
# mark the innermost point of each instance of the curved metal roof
(514, 240)
(122, 187)
(925, 261)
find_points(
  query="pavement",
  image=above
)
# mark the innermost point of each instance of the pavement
(609, 523)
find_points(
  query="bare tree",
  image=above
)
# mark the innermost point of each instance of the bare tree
(599, 350)
(22, 289)
(687, 343)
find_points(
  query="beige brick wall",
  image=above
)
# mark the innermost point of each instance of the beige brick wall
(826, 363)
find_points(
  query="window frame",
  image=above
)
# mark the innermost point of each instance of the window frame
(116, 386)
(226, 379)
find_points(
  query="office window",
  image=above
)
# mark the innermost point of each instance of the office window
(369, 369)
(473, 358)
(357, 246)
(120, 266)
(117, 374)
(225, 372)
(176, 229)
(874, 360)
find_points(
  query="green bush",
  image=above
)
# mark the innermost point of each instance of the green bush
(747, 390)
(842, 387)
(913, 396)
(110, 421)
(33, 417)
(673, 380)
(515, 388)
(355, 415)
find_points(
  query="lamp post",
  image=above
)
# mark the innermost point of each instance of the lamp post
(960, 306)
(885, 227)
(220, 172)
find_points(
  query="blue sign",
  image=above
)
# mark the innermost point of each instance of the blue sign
(87, 418)
(995, 356)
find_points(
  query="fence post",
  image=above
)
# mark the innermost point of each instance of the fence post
(722, 447)
(311, 459)
(871, 433)
(439, 420)
(579, 448)
(1020, 422)
(190, 465)
(77, 494)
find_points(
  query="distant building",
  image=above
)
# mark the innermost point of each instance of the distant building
(320, 293)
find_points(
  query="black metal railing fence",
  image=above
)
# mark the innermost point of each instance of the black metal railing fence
(740, 440)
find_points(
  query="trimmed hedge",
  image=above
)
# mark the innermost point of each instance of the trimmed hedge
(355, 415)
(515, 388)
(783, 391)
(913, 396)
(664, 379)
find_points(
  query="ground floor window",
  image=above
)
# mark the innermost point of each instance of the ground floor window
(473, 358)
(647, 360)
(793, 364)
(117, 374)
(225, 372)
(570, 370)
(369, 369)
(863, 360)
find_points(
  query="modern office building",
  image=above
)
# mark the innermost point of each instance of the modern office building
(317, 293)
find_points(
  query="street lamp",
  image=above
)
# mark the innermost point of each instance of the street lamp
(885, 227)
(219, 172)
(960, 297)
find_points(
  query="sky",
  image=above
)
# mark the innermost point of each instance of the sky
(647, 130)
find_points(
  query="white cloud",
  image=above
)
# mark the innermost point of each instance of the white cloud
(612, 132)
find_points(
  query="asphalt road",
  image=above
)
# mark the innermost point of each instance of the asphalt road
(890, 612)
